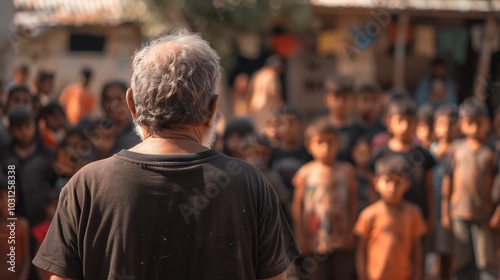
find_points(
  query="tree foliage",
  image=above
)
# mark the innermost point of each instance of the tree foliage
(220, 21)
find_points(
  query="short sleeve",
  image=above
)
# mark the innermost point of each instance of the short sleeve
(58, 253)
(448, 165)
(363, 226)
(430, 162)
(419, 228)
(298, 178)
(277, 248)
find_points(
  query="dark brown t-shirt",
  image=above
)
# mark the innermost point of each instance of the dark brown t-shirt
(192, 216)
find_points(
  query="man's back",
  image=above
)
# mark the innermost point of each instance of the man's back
(191, 216)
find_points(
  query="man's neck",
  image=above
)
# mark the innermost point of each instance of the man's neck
(175, 141)
(397, 145)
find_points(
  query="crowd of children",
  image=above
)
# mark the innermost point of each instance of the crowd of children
(382, 189)
(376, 189)
(41, 149)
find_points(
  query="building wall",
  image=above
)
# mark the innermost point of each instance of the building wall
(50, 51)
(6, 14)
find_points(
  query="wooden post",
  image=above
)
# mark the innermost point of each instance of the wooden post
(400, 51)
(481, 80)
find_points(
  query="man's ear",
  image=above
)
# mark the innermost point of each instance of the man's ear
(213, 111)
(131, 103)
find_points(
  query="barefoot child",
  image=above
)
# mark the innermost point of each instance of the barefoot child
(390, 230)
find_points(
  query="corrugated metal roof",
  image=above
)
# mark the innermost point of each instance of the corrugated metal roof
(36, 13)
(422, 5)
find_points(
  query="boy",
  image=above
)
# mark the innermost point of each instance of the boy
(338, 100)
(391, 229)
(324, 207)
(257, 151)
(361, 153)
(445, 132)
(52, 124)
(368, 102)
(34, 175)
(423, 131)
(18, 96)
(291, 153)
(415, 160)
(468, 210)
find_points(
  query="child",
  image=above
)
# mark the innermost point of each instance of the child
(291, 153)
(361, 153)
(18, 96)
(52, 124)
(468, 209)
(423, 131)
(101, 134)
(22, 263)
(34, 175)
(324, 207)
(338, 100)
(235, 132)
(257, 151)
(40, 231)
(367, 109)
(415, 160)
(391, 229)
(71, 154)
(445, 132)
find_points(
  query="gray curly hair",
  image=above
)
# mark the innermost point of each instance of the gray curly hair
(174, 80)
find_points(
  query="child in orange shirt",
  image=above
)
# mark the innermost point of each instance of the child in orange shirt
(325, 206)
(390, 230)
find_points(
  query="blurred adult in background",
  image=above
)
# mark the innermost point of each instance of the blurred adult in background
(115, 109)
(265, 93)
(437, 88)
(77, 99)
